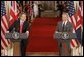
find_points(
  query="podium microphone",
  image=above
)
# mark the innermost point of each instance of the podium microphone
(13, 31)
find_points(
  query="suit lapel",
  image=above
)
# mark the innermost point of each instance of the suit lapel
(23, 26)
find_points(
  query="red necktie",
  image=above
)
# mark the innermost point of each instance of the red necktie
(21, 26)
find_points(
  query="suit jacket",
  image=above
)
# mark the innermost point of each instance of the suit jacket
(61, 43)
(67, 28)
(16, 25)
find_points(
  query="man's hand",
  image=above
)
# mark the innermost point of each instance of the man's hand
(7, 32)
(27, 33)
(56, 31)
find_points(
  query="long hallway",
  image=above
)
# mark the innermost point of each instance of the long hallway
(41, 38)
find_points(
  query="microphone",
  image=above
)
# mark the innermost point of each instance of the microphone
(13, 31)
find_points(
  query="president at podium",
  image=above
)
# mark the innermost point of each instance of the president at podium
(64, 26)
(21, 26)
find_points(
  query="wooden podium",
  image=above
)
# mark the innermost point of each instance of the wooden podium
(16, 39)
(16, 48)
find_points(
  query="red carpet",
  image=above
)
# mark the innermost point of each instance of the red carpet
(41, 35)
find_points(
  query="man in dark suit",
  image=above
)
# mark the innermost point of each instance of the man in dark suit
(21, 25)
(64, 26)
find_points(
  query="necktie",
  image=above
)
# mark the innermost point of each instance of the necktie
(21, 26)
(63, 26)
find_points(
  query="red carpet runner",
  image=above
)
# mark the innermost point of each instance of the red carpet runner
(41, 35)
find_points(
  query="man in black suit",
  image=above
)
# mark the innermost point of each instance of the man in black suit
(21, 25)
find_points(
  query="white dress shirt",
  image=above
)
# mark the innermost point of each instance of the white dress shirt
(64, 23)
